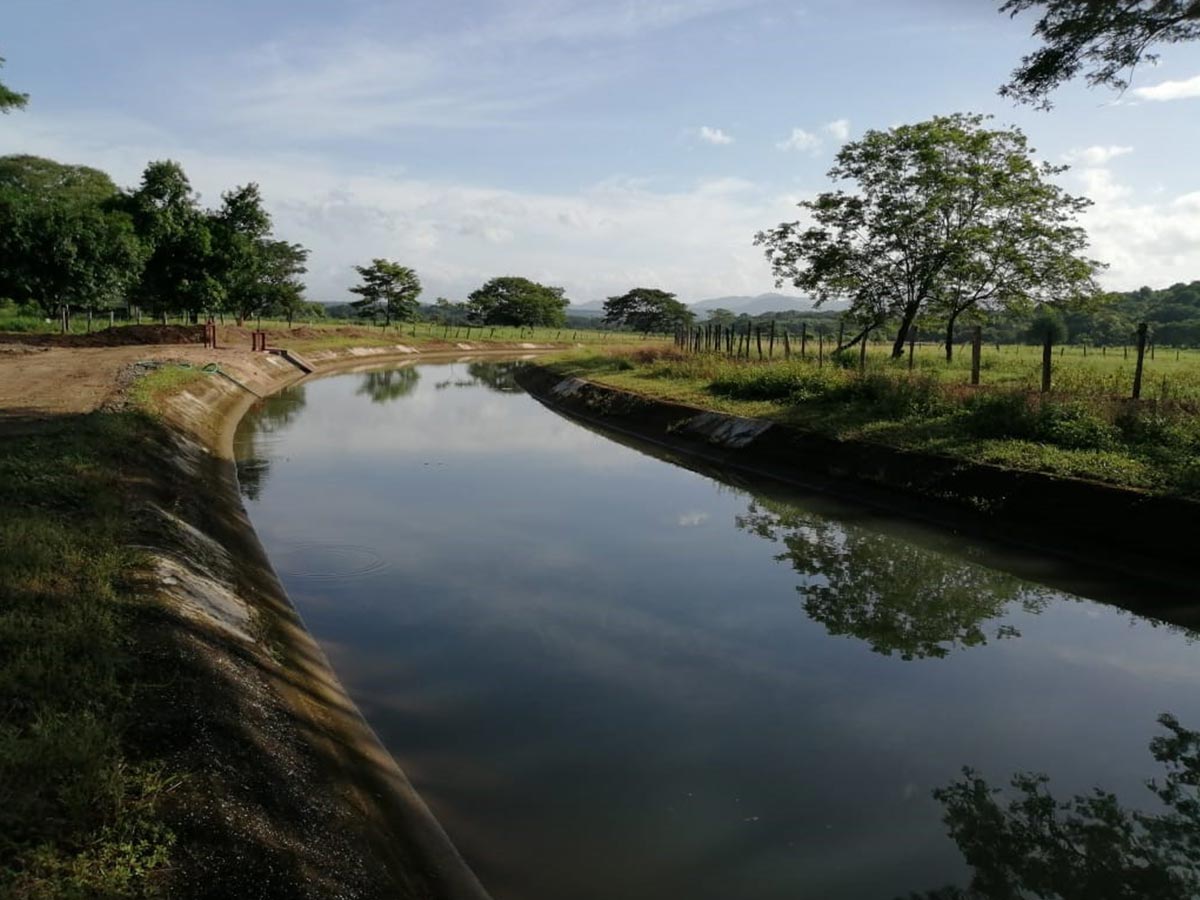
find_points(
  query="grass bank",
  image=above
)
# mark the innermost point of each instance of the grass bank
(79, 798)
(1082, 429)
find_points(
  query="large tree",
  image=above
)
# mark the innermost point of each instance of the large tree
(388, 288)
(510, 300)
(181, 271)
(647, 309)
(946, 211)
(240, 233)
(283, 264)
(10, 99)
(1104, 39)
(64, 238)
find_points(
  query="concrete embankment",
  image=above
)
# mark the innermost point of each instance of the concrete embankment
(301, 799)
(1116, 528)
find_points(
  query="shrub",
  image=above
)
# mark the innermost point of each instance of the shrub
(1153, 429)
(1000, 415)
(898, 398)
(1074, 425)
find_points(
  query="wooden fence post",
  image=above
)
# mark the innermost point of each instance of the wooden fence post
(1047, 358)
(787, 345)
(1141, 359)
(862, 353)
(976, 352)
(771, 343)
(803, 339)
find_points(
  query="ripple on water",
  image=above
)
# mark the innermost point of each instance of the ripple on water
(330, 561)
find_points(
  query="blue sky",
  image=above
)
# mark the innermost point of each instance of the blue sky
(595, 145)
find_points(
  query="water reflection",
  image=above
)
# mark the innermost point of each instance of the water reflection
(271, 415)
(605, 688)
(1089, 847)
(500, 377)
(900, 598)
(389, 384)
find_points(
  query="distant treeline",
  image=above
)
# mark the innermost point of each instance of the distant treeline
(1172, 313)
(1173, 316)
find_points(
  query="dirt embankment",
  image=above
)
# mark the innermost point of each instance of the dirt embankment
(289, 792)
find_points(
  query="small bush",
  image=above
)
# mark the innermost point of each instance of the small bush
(1076, 426)
(1153, 429)
(781, 382)
(1000, 415)
(1072, 425)
(646, 355)
(898, 398)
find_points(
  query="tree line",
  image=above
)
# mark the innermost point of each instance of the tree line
(71, 239)
(390, 293)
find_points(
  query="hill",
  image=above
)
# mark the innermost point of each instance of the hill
(761, 303)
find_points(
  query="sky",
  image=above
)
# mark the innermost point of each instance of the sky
(597, 145)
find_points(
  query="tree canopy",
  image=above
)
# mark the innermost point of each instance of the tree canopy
(387, 288)
(10, 99)
(1103, 40)
(647, 309)
(180, 266)
(948, 214)
(64, 236)
(69, 237)
(511, 300)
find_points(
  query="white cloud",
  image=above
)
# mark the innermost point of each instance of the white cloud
(598, 240)
(692, 519)
(714, 136)
(839, 129)
(801, 140)
(1155, 243)
(1096, 155)
(1170, 90)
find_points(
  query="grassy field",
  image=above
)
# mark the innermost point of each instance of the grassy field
(333, 333)
(1083, 428)
(77, 806)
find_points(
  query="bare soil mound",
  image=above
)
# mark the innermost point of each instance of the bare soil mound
(123, 336)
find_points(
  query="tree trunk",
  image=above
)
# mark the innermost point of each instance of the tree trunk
(950, 337)
(910, 314)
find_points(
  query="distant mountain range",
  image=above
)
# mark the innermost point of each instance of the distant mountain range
(758, 304)
(751, 305)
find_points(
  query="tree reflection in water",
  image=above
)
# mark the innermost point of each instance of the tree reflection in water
(900, 598)
(270, 415)
(500, 377)
(1085, 848)
(389, 384)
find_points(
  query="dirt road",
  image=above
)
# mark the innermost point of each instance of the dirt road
(40, 381)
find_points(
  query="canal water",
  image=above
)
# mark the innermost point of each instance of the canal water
(611, 676)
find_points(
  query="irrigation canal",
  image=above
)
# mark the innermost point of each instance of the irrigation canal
(612, 676)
